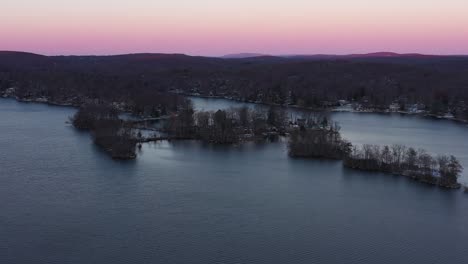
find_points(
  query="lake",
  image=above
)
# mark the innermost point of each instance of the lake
(63, 200)
(438, 136)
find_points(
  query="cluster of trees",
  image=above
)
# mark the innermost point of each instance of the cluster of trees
(227, 126)
(66, 81)
(152, 103)
(109, 132)
(129, 93)
(321, 84)
(317, 137)
(397, 159)
(319, 140)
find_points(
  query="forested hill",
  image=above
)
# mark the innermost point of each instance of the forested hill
(437, 84)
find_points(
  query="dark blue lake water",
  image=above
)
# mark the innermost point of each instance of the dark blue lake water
(62, 200)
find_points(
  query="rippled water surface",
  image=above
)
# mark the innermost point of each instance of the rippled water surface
(64, 201)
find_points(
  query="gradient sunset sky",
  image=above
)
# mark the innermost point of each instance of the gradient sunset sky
(218, 27)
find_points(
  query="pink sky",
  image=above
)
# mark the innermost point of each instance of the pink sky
(217, 27)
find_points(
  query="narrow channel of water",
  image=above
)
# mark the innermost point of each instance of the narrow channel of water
(437, 136)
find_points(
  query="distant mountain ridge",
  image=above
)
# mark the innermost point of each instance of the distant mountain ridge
(18, 59)
(22, 59)
(244, 55)
(383, 54)
(10, 52)
(354, 55)
(388, 54)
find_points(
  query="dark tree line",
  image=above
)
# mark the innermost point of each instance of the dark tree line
(397, 159)
(109, 132)
(130, 93)
(141, 81)
(321, 84)
(227, 126)
(317, 138)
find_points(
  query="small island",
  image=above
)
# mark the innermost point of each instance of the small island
(109, 132)
(120, 137)
(312, 137)
(323, 140)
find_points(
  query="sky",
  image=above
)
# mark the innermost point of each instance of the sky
(218, 27)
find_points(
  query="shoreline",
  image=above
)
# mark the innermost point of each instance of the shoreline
(40, 101)
(334, 109)
(150, 139)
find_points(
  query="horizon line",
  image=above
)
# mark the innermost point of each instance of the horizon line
(254, 54)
